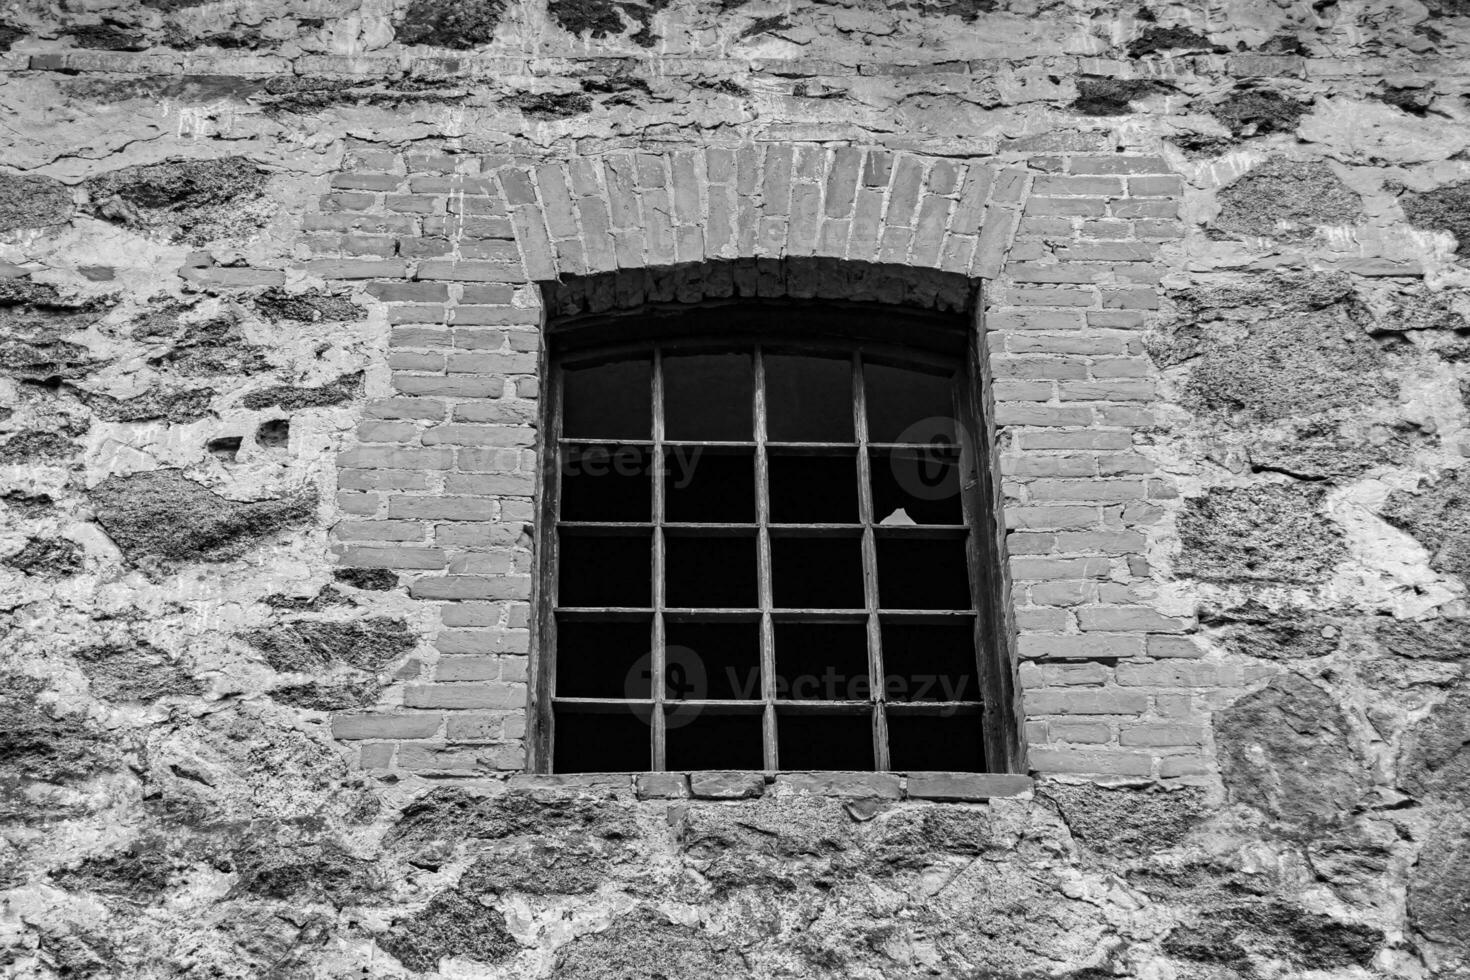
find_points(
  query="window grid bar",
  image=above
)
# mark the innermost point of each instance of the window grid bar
(770, 744)
(656, 654)
(870, 566)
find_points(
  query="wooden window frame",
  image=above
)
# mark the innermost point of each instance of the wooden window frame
(996, 702)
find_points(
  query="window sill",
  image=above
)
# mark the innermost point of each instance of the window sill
(957, 787)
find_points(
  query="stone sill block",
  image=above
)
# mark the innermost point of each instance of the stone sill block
(962, 787)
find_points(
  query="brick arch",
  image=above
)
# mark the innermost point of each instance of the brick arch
(637, 210)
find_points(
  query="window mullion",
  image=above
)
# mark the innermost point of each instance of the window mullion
(656, 659)
(763, 553)
(870, 567)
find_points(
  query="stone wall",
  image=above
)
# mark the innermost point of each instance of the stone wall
(272, 278)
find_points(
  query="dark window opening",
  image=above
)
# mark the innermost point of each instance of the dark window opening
(769, 555)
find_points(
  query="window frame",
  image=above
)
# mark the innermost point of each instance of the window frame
(953, 341)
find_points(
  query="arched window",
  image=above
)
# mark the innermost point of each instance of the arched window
(768, 541)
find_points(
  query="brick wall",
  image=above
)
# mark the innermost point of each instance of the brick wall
(441, 484)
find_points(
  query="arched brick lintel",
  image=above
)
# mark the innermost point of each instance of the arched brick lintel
(593, 215)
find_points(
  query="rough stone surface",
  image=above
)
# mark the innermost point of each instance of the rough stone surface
(1438, 515)
(1268, 532)
(270, 722)
(1445, 208)
(1285, 751)
(162, 514)
(189, 200)
(33, 202)
(1286, 199)
(309, 645)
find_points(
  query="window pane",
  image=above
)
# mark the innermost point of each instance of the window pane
(906, 404)
(808, 399)
(709, 397)
(930, 743)
(930, 661)
(813, 489)
(720, 661)
(605, 570)
(922, 483)
(603, 659)
(825, 740)
(710, 572)
(606, 483)
(615, 741)
(704, 739)
(822, 662)
(922, 573)
(613, 400)
(817, 572)
(709, 485)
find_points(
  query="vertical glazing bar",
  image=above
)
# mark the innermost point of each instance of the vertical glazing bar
(870, 566)
(543, 640)
(763, 552)
(656, 661)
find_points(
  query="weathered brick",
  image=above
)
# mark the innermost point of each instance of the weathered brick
(462, 386)
(364, 726)
(465, 695)
(1101, 490)
(1090, 761)
(446, 508)
(458, 434)
(1091, 646)
(1117, 619)
(396, 458)
(396, 556)
(1106, 701)
(380, 531)
(1161, 734)
(1040, 569)
(1179, 673)
(472, 587)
